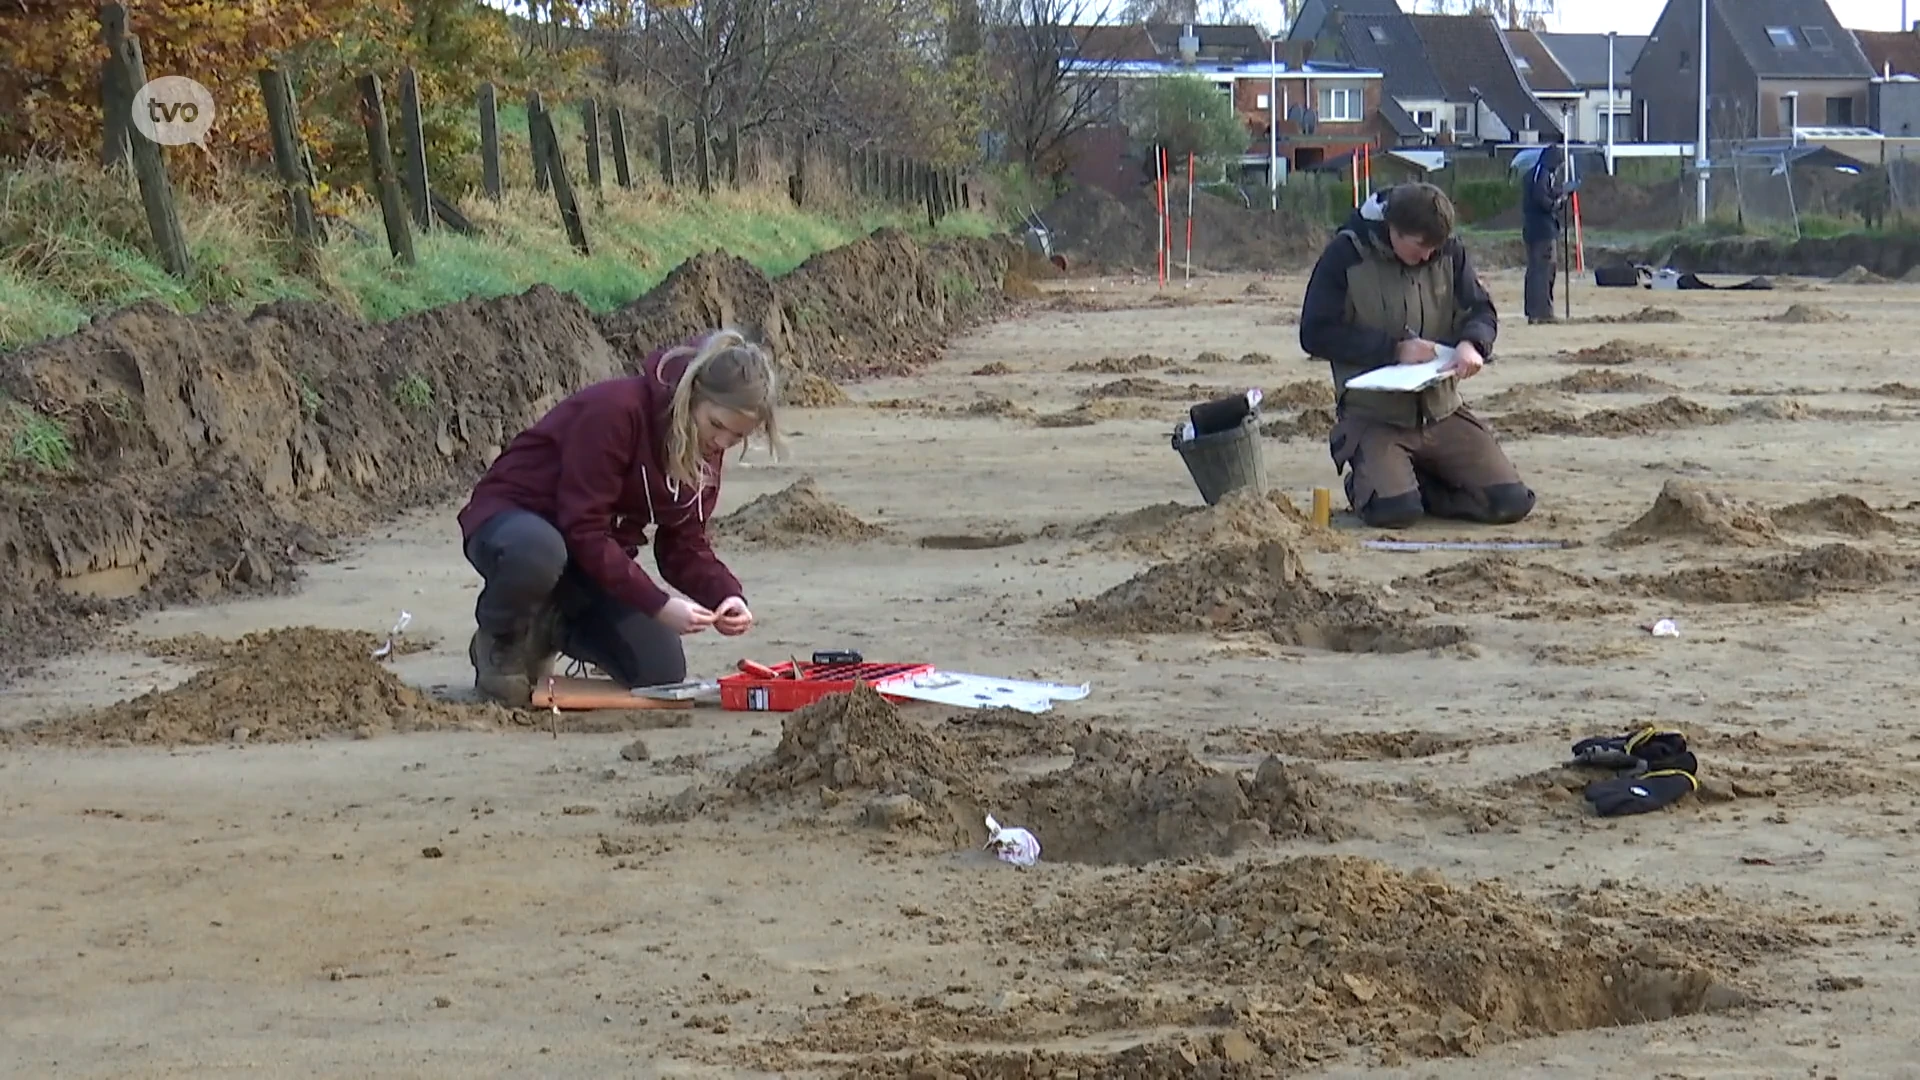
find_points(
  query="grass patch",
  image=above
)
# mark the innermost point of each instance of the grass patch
(74, 242)
(413, 392)
(33, 442)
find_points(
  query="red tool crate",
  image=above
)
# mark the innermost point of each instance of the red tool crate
(742, 692)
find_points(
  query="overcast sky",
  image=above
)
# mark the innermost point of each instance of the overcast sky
(1637, 16)
(1600, 16)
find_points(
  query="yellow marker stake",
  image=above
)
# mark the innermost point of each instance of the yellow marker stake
(1322, 507)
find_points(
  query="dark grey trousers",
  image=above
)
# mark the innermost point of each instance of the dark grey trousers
(523, 560)
(1540, 272)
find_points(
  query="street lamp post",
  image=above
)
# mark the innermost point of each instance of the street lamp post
(1700, 136)
(1273, 121)
(1612, 102)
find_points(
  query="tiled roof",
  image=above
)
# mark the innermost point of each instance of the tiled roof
(1584, 57)
(1895, 50)
(1480, 65)
(1389, 44)
(1814, 44)
(1538, 67)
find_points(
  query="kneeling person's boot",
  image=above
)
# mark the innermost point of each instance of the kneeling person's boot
(500, 668)
(543, 645)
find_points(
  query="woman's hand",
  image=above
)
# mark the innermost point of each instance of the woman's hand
(732, 617)
(683, 616)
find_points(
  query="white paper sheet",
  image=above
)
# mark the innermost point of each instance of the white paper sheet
(985, 692)
(1405, 378)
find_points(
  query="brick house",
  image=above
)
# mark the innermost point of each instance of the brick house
(1769, 63)
(1323, 110)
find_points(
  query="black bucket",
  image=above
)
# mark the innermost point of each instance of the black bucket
(1225, 460)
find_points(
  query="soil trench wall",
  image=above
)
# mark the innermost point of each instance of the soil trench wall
(212, 452)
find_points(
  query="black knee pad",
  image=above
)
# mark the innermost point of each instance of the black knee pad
(1393, 512)
(1508, 503)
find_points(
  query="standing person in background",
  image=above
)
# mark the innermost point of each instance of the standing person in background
(1543, 206)
(555, 525)
(1393, 286)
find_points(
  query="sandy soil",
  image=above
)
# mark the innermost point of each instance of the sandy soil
(458, 903)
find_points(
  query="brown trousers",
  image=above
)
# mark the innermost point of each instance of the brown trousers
(1454, 468)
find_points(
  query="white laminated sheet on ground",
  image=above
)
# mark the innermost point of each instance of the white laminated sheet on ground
(985, 691)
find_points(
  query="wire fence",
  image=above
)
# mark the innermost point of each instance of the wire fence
(1770, 187)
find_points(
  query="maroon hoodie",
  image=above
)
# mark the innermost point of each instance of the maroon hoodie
(593, 467)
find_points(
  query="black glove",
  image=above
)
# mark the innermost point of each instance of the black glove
(1638, 751)
(1651, 790)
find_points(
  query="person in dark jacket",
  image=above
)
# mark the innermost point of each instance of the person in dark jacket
(1542, 204)
(1393, 286)
(555, 525)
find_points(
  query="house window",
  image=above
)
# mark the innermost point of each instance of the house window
(1262, 101)
(1378, 33)
(1461, 121)
(1782, 37)
(1816, 36)
(1423, 119)
(1839, 112)
(1340, 105)
(1521, 65)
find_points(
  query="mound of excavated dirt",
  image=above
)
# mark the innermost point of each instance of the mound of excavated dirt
(1173, 530)
(1155, 390)
(1598, 381)
(1280, 968)
(211, 452)
(1858, 275)
(1131, 800)
(882, 304)
(1846, 514)
(1644, 316)
(1344, 745)
(1305, 424)
(1089, 413)
(805, 390)
(1305, 394)
(1686, 511)
(1621, 351)
(859, 741)
(1666, 414)
(994, 367)
(1492, 576)
(1783, 578)
(795, 515)
(1095, 228)
(278, 686)
(1121, 365)
(1807, 313)
(1897, 390)
(1245, 587)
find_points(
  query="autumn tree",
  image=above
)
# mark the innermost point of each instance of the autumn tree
(1187, 115)
(1048, 85)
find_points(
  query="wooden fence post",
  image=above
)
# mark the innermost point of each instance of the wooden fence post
(413, 133)
(622, 167)
(663, 139)
(116, 97)
(149, 167)
(393, 209)
(702, 155)
(489, 142)
(283, 126)
(535, 105)
(547, 145)
(590, 119)
(733, 153)
(797, 184)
